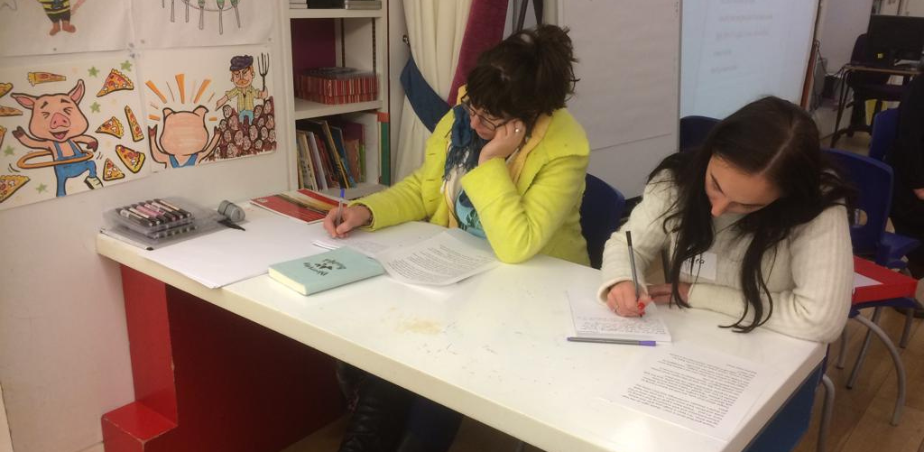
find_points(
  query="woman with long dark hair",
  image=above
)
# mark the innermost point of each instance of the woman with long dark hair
(755, 224)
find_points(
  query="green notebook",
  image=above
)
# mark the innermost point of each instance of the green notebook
(324, 271)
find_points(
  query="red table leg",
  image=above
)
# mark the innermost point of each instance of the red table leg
(208, 380)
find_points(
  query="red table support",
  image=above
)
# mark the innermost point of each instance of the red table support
(208, 380)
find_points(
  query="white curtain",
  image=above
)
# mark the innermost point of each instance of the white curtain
(435, 29)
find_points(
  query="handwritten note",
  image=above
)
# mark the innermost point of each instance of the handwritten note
(593, 319)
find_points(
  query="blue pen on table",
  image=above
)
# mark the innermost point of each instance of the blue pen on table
(597, 340)
(634, 271)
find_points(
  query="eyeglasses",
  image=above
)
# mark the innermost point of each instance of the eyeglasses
(488, 123)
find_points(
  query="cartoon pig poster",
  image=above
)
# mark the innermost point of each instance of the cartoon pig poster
(68, 127)
(204, 107)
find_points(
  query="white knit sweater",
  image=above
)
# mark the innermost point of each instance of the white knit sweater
(811, 279)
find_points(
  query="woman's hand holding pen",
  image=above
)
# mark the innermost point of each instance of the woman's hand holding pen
(506, 140)
(621, 297)
(352, 218)
(621, 300)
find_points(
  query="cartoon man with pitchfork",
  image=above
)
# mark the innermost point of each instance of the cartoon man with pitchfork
(242, 75)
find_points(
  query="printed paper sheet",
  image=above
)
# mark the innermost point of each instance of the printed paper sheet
(696, 388)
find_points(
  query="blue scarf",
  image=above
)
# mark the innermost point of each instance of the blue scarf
(465, 145)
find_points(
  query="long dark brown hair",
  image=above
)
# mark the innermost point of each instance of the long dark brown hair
(772, 137)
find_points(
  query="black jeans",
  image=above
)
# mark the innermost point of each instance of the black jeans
(388, 418)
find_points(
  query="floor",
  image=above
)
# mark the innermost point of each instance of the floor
(861, 415)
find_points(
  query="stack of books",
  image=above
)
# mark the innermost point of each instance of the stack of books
(337, 85)
(331, 153)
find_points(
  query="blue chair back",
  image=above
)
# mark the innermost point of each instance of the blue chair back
(601, 210)
(873, 181)
(694, 130)
(885, 130)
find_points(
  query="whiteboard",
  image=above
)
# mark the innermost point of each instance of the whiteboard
(737, 52)
(627, 98)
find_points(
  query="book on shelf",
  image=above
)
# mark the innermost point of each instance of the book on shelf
(335, 4)
(320, 171)
(348, 161)
(306, 168)
(324, 139)
(327, 146)
(302, 204)
(337, 85)
(320, 272)
(354, 142)
(362, 4)
(319, 4)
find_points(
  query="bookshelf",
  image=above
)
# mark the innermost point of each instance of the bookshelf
(346, 38)
(335, 13)
(306, 109)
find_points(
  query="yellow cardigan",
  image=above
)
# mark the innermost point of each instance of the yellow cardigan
(540, 213)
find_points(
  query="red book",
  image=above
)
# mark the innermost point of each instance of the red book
(304, 205)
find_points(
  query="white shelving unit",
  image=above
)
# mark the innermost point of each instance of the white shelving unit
(305, 109)
(361, 41)
(335, 13)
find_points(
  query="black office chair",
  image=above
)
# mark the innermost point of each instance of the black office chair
(694, 130)
(601, 211)
(865, 86)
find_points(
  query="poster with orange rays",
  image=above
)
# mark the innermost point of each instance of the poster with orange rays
(66, 127)
(30, 27)
(202, 23)
(204, 106)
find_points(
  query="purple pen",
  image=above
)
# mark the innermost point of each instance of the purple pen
(599, 340)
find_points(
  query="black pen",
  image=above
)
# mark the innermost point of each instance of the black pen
(632, 264)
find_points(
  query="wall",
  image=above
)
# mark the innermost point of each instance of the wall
(627, 98)
(63, 340)
(843, 21)
(890, 7)
(913, 8)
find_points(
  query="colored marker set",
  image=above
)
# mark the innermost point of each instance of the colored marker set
(157, 219)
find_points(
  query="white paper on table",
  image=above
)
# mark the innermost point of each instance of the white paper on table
(593, 319)
(863, 281)
(374, 243)
(229, 255)
(695, 388)
(444, 259)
